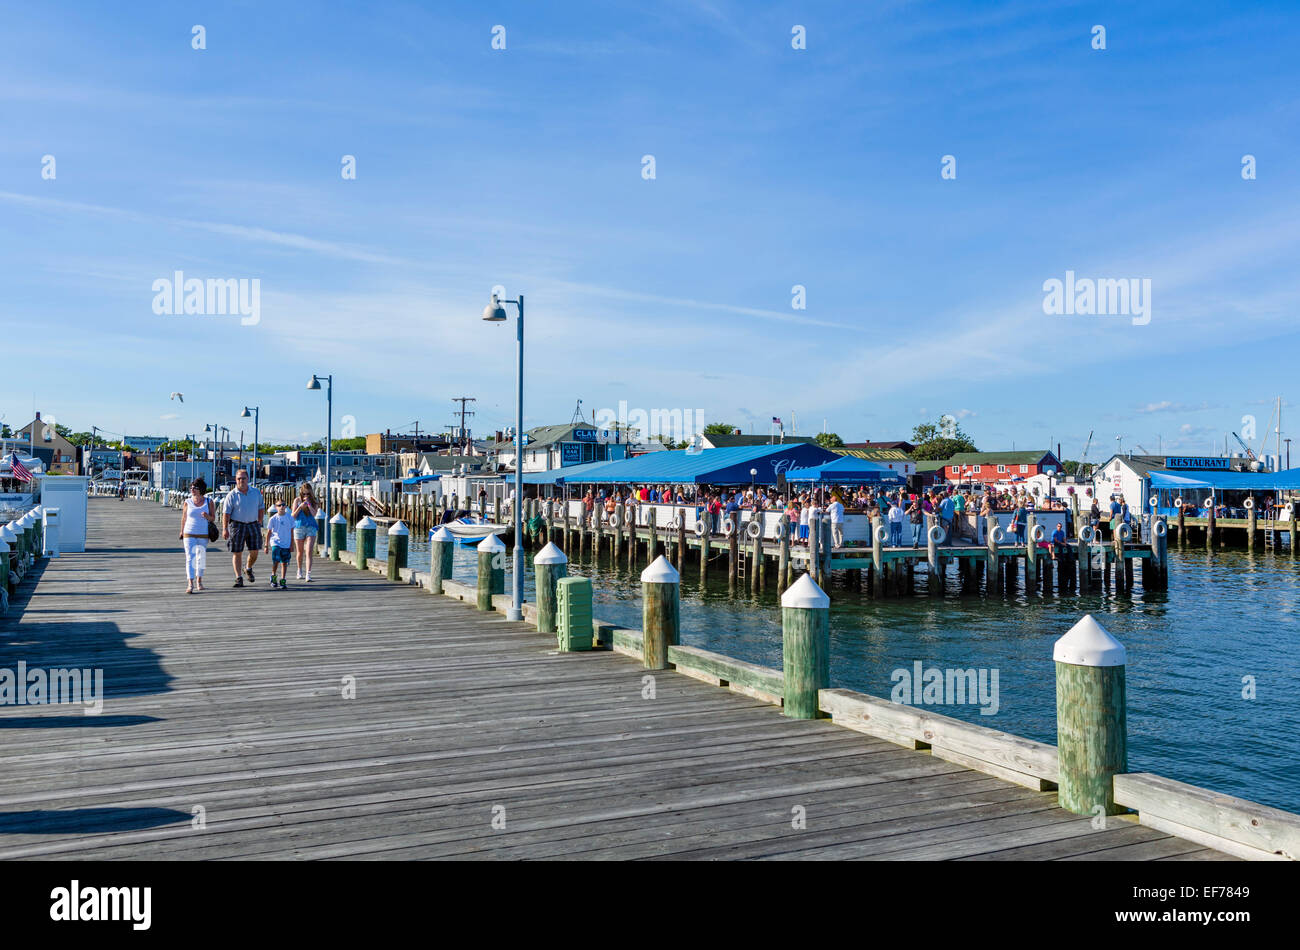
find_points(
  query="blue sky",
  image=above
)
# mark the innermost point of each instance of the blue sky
(775, 167)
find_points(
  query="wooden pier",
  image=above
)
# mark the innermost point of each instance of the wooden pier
(227, 733)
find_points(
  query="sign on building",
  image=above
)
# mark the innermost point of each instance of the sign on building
(1194, 462)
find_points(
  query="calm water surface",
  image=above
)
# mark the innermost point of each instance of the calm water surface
(1227, 615)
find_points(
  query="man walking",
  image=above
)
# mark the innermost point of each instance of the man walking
(244, 511)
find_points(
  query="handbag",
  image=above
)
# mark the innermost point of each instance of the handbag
(213, 533)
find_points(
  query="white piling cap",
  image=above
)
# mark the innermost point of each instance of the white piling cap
(7, 533)
(806, 593)
(551, 554)
(398, 529)
(660, 572)
(367, 522)
(1088, 644)
(4, 545)
(442, 535)
(338, 519)
(492, 544)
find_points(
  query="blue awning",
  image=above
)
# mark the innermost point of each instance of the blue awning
(1286, 480)
(419, 479)
(729, 466)
(846, 470)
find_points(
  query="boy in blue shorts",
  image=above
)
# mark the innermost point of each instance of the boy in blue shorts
(279, 543)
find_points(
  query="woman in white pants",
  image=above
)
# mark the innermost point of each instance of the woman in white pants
(196, 515)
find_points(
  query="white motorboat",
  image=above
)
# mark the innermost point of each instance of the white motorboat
(471, 531)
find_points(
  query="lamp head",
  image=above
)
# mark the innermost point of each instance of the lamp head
(245, 414)
(315, 383)
(494, 312)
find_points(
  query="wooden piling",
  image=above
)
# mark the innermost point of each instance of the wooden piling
(992, 572)
(681, 538)
(1091, 726)
(442, 544)
(399, 538)
(878, 534)
(733, 545)
(652, 539)
(491, 570)
(660, 612)
(549, 566)
(934, 582)
(366, 531)
(805, 647)
(338, 536)
(783, 557)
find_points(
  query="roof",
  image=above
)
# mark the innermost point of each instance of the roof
(899, 445)
(877, 455)
(1141, 464)
(930, 465)
(559, 476)
(540, 436)
(732, 441)
(729, 466)
(1000, 458)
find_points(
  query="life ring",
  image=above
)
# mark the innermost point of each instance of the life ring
(1154, 502)
(782, 529)
(1178, 502)
(1038, 533)
(1087, 534)
(1124, 531)
(1249, 503)
(728, 528)
(997, 534)
(938, 538)
(1160, 529)
(753, 528)
(1208, 503)
(1288, 507)
(700, 529)
(881, 534)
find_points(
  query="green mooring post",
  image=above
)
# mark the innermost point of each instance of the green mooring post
(1091, 728)
(399, 542)
(442, 543)
(549, 565)
(322, 538)
(366, 530)
(338, 536)
(806, 646)
(491, 570)
(660, 612)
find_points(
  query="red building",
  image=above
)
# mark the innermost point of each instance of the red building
(989, 467)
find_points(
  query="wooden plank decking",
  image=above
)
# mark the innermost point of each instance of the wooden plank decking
(230, 701)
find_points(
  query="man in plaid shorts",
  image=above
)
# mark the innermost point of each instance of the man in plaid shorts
(244, 511)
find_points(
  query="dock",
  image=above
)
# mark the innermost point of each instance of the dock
(226, 733)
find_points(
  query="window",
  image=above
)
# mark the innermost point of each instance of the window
(1024, 469)
(1001, 469)
(956, 469)
(975, 469)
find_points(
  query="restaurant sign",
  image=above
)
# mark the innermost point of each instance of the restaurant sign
(1211, 464)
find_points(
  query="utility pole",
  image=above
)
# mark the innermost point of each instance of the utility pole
(463, 400)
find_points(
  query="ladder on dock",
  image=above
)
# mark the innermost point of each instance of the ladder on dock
(372, 506)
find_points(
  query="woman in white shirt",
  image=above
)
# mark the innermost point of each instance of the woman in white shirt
(196, 515)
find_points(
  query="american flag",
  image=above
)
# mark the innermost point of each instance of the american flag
(776, 422)
(20, 470)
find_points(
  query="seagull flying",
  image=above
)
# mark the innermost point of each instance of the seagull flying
(180, 396)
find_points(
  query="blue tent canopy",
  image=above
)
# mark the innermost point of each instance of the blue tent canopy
(729, 466)
(1286, 480)
(846, 470)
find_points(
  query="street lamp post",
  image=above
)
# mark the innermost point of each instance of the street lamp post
(329, 432)
(495, 313)
(256, 413)
(216, 434)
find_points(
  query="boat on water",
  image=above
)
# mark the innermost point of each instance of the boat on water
(472, 531)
